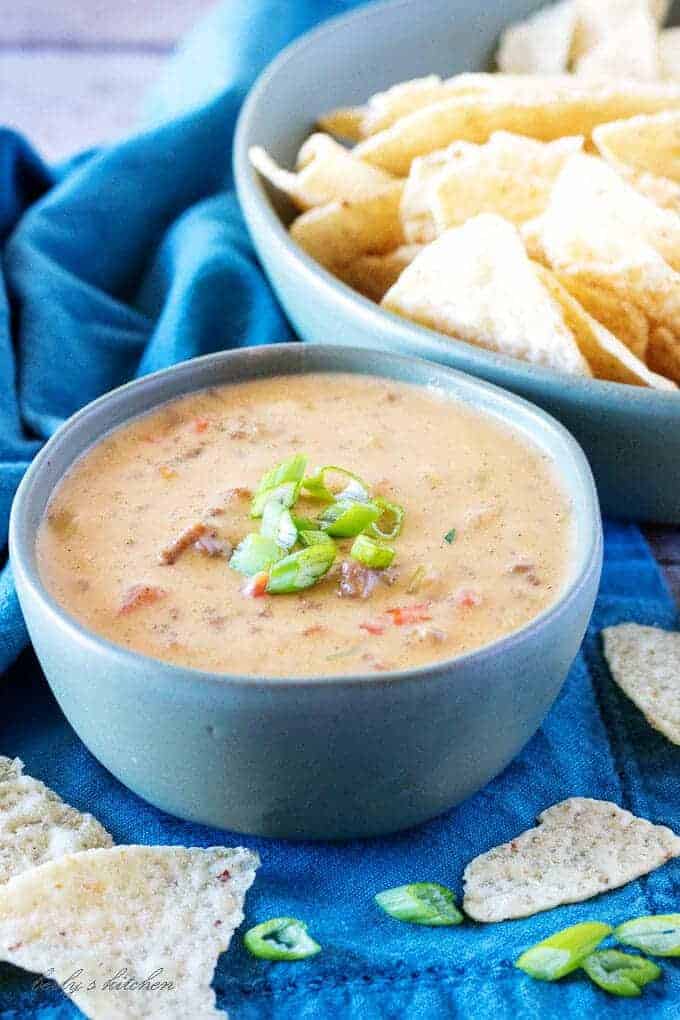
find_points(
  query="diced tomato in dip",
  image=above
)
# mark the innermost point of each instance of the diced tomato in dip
(140, 595)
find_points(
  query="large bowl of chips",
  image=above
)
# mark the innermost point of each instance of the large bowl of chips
(521, 226)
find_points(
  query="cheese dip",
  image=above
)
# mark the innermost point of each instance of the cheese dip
(440, 531)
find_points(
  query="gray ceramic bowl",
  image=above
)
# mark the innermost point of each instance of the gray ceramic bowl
(630, 435)
(318, 758)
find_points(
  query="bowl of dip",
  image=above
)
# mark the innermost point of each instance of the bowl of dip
(374, 698)
(630, 434)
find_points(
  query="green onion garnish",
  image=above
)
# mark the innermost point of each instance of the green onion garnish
(314, 537)
(563, 952)
(391, 517)
(281, 483)
(450, 536)
(281, 938)
(316, 487)
(302, 569)
(620, 973)
(345, 518)
(277, 523)
(254, 554)
(371, 553)
(305, 523)
(421, 903)
(658, 934)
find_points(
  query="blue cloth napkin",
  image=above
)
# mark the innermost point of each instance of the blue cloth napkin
(134, 257)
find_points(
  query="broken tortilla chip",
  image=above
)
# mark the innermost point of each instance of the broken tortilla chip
(541, 44)
(629, 48)
(337, 233)
(580, 848)
(602, 233)
(143, 926)
(645, 663)
(36, 825)
(620, 317)
(476, 283)
(510, 175)
(597, 20)
(327, 172)
(607, 356)
(546, 117)
(645, 143)
(373, 275)
(345, 122)
(663, 352)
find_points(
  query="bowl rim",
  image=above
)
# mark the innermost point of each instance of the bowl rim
(421, 341)
(587, 556)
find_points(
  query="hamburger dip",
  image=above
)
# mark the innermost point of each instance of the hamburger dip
(308, 525)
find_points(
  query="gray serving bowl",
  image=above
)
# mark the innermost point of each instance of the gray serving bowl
(356, 755)
(630, 435)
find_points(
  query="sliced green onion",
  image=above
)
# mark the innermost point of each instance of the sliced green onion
(301, 569)
(563, 952)
(287, 494)
(281, 483)
(278, 524)
(316, 487)
(421, 903)
(254, 554)
(305, 523)
(314, 537)
(345, 519)
(450, 536)
(417, 579)
(282, 938)
(389, 514)
(658, 934)
(620, 973)
(371, 553)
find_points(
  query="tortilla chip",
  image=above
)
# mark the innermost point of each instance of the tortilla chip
(385, 108)
(477, 284)
(548, 116)
(620, 317)
(607, 356)
(36, 825)
(416, 201)
(629, 48)
(669, 54)
(337, 233)
(541, 44)
(327, 172)
(580, 848)
(660, 190)
(603, 234)
(597, 20)
(648, 143)
(159, 915)
(645, 663)
(373, 275)
(663, 352)
(344, 122)
(510, 175)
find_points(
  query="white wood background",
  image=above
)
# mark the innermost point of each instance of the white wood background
(72, 73)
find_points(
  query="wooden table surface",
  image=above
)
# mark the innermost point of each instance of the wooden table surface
(72, 73)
